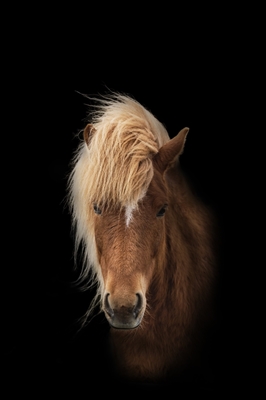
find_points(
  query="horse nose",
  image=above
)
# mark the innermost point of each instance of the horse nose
(123, 316)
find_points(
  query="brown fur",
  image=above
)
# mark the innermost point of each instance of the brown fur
(177, 260)
(168, 261)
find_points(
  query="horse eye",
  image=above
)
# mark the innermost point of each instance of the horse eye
(97, 210)
(162, 211)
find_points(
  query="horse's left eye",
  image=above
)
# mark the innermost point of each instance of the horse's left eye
(161, 212)
(97, 210)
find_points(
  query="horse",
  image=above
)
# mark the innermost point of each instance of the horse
(147, 240)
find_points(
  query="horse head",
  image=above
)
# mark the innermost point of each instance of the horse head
(130, 241)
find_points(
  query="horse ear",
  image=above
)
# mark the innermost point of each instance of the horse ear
(168, 154)
(88, 132)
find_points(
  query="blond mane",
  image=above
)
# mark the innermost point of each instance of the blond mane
(114, 168)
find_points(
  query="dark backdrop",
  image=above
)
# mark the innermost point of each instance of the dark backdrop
(42, 342)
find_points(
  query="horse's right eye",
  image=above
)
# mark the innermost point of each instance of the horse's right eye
(161, 212)
(97, 210)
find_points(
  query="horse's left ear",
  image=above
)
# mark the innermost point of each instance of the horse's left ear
(88, 132)
(170, 151)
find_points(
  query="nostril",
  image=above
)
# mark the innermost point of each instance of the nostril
(107, 306)
(138, 305)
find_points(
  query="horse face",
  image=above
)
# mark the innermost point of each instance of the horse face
(128, 244)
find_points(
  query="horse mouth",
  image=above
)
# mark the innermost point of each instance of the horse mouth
(120, 321)
(124, 326)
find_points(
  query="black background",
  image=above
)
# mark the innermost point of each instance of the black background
(199, 87)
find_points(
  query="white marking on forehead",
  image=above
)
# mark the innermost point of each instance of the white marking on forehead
(128, 213)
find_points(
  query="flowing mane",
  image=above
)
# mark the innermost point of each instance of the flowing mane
(114, 169)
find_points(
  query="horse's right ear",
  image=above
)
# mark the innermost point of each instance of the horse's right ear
(169, 153)
(88, 132)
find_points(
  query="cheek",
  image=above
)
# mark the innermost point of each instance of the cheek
(103, 267)
(149, 239)
(158, 235)
(106, 234)
(99, 237)
(100, 247)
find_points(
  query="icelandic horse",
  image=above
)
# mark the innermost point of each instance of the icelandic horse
(148, 241)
